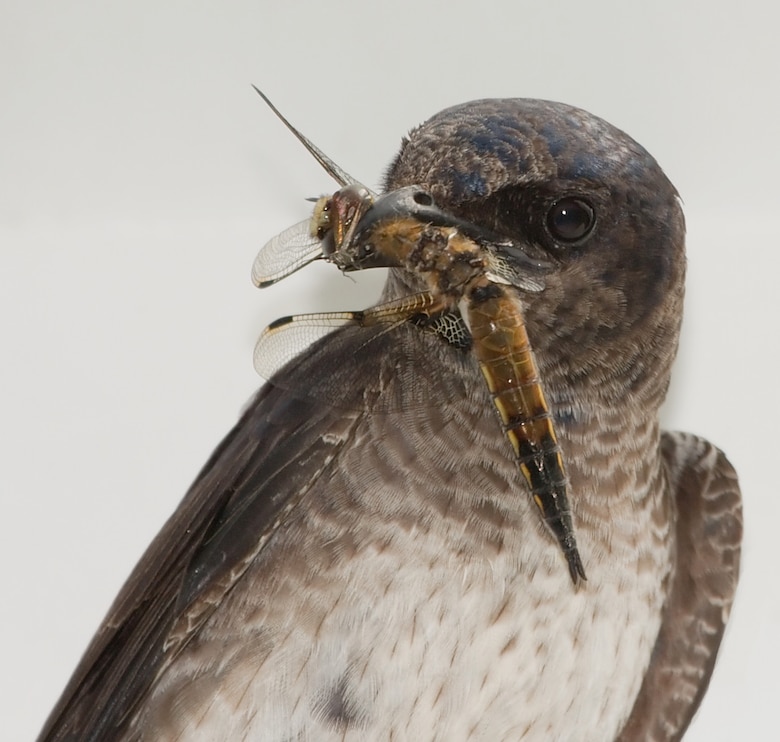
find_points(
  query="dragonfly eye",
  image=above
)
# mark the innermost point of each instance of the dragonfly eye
(570, 219)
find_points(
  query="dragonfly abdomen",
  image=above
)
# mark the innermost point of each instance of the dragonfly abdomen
(501, 345)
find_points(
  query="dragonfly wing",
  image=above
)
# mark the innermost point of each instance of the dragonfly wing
(285, 338)
(285, 254)
(502, 269)
(341, 176)
(502, 272)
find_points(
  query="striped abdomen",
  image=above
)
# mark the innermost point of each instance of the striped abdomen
(500, 343)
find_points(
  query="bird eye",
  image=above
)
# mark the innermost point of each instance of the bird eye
(570, 219)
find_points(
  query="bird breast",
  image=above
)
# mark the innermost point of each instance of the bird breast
(417, 590)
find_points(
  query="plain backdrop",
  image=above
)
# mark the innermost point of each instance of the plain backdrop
(139, 174)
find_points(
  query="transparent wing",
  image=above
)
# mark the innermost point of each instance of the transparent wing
(341, 176)
(502, 271)
(389, 340)
(285, 254)
(285, 338)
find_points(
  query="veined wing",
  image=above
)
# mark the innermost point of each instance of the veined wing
(341, 176)
(406, 338)
(502, 270)
(286, 253)
(287, 337)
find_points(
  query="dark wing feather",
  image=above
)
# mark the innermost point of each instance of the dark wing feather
(277, 449)
(709, 532)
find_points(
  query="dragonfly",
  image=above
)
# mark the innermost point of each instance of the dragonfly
(470, 286)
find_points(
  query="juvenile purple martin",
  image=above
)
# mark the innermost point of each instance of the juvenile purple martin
(344, 570)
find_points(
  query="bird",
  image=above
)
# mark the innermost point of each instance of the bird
(342, 569)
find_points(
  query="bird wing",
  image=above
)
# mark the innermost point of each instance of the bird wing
(287, 439)
(263, 468)
(709, 533)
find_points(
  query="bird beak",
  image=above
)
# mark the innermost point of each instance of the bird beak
(400, 214)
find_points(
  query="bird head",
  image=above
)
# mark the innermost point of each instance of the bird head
(583, 197)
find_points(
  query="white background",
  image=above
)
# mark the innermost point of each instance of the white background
(139, 174)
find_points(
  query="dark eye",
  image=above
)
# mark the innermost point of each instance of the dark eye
(570, 219)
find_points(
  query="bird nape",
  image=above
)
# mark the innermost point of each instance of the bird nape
(392, 541)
